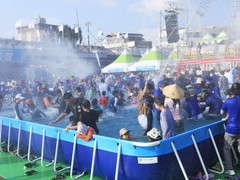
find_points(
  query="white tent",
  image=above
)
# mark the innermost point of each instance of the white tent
(121, 64)
(208, 38)
(222, 36)
(150, 61)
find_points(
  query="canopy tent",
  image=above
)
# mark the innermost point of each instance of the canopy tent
(173, 55)
(150, 61)
(206, 39)
(121, 64)
(222, 36)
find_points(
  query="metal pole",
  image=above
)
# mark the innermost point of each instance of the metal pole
(88, 37)
(62, 33)
(77, 24)
(160, 35)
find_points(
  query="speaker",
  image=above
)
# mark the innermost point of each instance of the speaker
(171, 21)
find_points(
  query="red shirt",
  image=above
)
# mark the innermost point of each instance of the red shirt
(103, 101)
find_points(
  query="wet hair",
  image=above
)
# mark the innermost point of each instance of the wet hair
(67, 95)
(78, 89)
(114, 92)
(58, 91)
(230, 92)
(175, 102)
(94, 102)
(164, 84)
(121, 95)
(212, 71)
(222, 72)
(72, 118)
(86, 104)
(104, 93)
(150, 100)
(102, 80)
(150, 86)
(236, 88)
(159, 101)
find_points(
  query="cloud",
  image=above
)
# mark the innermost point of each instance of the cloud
(148, 7)
(55, 21)
(151, 35)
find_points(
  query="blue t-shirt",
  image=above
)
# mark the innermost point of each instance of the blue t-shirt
(232, 106)
(215, 103)
(192, 107)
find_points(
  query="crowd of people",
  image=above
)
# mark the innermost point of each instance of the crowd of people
(168, 99)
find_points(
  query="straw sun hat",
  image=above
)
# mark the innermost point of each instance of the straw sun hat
(173, 92)
(199, 81)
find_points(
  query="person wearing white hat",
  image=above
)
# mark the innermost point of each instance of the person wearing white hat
(197, 87)
(175, 101)
(125, 134)
(18, 107)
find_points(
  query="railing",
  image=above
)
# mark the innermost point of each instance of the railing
(209, 52)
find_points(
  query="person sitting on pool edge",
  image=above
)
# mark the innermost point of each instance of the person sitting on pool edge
(154, 135)
(84, 132)
(125, 134)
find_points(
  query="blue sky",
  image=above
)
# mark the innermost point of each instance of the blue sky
(136, 16)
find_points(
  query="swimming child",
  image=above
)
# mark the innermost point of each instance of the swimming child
(154, 135)
(18, 106)
(84, 132)
(96, 107)
(73, 122)
(121, 100)
(134, 96)
(103, 100)
(113, 102)
(125, 134)
(33, 110)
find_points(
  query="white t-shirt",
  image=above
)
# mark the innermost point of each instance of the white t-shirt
(103, 87)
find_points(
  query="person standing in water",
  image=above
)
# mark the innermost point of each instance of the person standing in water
(175, 101)
(73, 105)
(166, 119)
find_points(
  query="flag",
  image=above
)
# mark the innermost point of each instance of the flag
(31, 24)
(18, 23)
(78, 42)
(60, 28)
(76, 29)
(98, 60)
(99, 32)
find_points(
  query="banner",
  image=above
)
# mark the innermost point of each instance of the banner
(13, 55)
(60, 28)
(98, 60)
(76, 29)
(31, 24)
(78, 42)
(18, 23)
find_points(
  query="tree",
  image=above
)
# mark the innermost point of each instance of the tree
(69, 35)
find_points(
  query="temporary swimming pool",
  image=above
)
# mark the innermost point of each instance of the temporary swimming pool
(112, 158)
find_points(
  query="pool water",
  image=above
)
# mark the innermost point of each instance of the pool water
(110, 124)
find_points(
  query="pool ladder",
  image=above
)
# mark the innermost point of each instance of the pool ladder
(200, 157)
